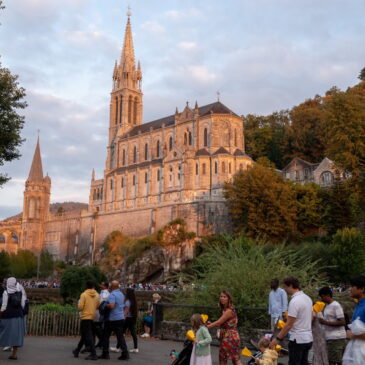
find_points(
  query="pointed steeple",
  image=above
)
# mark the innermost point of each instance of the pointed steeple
(36, 170)
(127, 60)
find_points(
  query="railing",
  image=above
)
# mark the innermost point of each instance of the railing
(53, 323)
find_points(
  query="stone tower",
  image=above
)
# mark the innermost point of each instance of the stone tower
(126, 96)
(36, 205)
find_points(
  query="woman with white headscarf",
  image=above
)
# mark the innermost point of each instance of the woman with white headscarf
(12, 325)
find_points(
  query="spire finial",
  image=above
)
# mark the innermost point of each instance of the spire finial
(129, 12)
(218, 95)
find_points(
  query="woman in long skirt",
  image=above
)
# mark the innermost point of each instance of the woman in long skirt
(12, 325)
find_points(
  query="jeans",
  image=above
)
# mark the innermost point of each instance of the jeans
(117, 328)
(87, 337)
(130, 324)
(298, 353)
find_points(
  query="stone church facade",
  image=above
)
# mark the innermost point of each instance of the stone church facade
(173, 167)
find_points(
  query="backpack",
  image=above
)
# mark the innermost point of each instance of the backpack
(103, 310)
(15, 300)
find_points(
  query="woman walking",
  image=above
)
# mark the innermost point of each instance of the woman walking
(229, 348)
(130, 315)
(12, 325)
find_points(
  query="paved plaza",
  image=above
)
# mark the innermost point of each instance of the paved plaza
(57, 351)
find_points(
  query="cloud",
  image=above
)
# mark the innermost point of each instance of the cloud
(153, 27)
(183, 14)
(187, 46)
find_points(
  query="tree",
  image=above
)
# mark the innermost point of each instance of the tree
(347, 256)
(4, 264)
(305, 137)
(362, 74)
(23, 264)
(310, 208)
(74, 278)
(262, 203)
(264, 136)
(11, 123)
(46, 265)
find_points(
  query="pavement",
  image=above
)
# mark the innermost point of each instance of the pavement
(58, 351)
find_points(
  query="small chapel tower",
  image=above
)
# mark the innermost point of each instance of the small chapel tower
(36, 205)
(126, 96)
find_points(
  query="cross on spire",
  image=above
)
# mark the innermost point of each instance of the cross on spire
(218, 95)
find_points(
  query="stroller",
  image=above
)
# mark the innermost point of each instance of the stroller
(185, 354)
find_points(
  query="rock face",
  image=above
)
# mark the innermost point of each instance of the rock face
(158, 263)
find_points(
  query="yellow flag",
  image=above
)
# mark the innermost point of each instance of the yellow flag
(278, 348)
(246, 352)
(204, 318)
(318, 307)
(190, 335)
(280, 324)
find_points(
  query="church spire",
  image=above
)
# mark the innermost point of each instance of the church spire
(127, 60)
(36, 170)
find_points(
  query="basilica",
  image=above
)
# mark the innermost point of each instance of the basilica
(155, 172)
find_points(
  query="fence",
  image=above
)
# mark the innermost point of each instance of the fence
(53, 323)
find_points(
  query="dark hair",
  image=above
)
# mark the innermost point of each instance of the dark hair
(225, 292)
(90, 284)
(196, 320)
(130, 295)
(291, 281)
(275, 281)
(358, 281)
(325, 291)
(105, 283)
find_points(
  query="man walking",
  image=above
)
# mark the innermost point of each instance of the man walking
(278, 303)
(88, 304)
(333, 320)
(299, 323)
(115, 322)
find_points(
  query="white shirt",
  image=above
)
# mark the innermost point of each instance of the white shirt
(300, 307)
(332, 313)
(278, 303)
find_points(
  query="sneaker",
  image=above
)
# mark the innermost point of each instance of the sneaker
(7, 348)
(114, 349)
(91, 357)
(75, 352)
(134, 351)
(145, 335)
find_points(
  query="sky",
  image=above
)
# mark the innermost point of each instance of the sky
(262, 56)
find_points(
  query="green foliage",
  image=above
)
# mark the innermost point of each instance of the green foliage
(362, 74)
(11, 123)
(5, 265)
(23, 264)
(234, 266)
(73, 281)
(46, 265)
(347, 254)
(262, 203)
(52, 307)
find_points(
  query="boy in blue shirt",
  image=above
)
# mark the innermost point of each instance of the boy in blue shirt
(357, 291)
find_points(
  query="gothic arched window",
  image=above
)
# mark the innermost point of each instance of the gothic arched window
(185, 139)
(223, 167)
(235, 137)
(134, 180)
(146, 151)
(145, 178)
(130, 109)
(229, 167)
(204, 169)
(123, 157)
(116, 111)
(216, 167)
(190, 139)
(196, 169)
(135, 109)
(170, 143)
(205, 137)
(158, 148)
(120, 109)
(134, 154)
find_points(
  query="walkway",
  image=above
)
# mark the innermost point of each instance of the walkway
(57, 351)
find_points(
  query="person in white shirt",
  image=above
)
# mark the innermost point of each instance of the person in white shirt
(278, 303)
(298, 325)
(333, 320)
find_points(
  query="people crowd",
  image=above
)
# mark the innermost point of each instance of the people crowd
(317, 334)
(28, 284)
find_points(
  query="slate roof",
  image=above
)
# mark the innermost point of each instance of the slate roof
(36, 170)
(215, 108)
(221, 151)
(202, 152)
(239, 152)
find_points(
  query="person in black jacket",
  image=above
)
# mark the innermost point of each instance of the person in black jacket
(12, 326)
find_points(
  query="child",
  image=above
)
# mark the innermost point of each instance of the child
(270, 357)
(201, 350)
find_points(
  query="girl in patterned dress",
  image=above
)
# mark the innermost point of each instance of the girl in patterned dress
(229, 337)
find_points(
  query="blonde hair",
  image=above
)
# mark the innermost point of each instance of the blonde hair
(156, 296)
(196, 320)
(264, 342)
